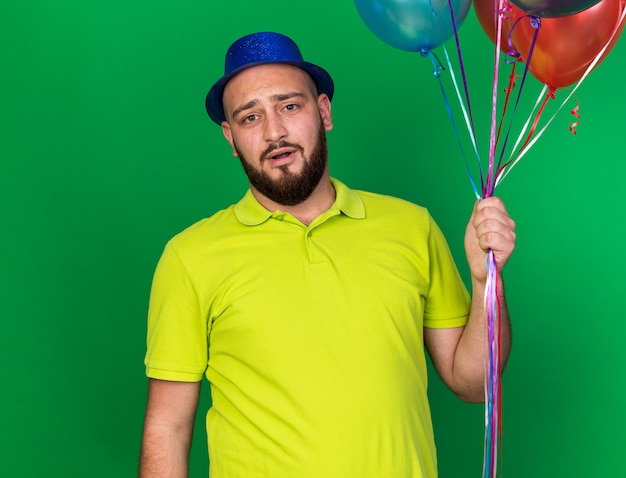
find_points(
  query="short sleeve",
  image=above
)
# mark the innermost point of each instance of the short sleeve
(177, 347)
(448, 302)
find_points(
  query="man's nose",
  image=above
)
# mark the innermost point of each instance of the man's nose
(274, 128)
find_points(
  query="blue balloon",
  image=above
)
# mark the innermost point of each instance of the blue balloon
(413, 25)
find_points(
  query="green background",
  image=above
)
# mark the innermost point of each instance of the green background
(106, 152)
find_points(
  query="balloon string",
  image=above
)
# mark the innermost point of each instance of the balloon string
(461, 65)
(468, 125)
(467, 114)
(549, 96)
(493, 390)
(574, 112)
(498, 168)
(493, 383)
(487, 190)
(437, 69)
(508, 91)
(512, 158)
(498, 322)
(467, 111)
(524, 129)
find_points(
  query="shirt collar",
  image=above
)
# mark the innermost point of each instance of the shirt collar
(251, 213)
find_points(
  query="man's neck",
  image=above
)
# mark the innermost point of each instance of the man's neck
(320, 200)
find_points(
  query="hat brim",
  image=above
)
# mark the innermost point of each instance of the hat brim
(215, 107)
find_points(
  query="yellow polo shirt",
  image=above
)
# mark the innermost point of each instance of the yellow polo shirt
(311, 337)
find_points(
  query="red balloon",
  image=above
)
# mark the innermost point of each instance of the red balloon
(486, 13)
(618, 33)
(567, 45)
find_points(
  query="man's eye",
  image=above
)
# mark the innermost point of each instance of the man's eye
(291, 107)
(249, 118)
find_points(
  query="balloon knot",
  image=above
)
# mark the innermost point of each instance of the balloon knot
(513, 56)
(535, 22)
(437, 65)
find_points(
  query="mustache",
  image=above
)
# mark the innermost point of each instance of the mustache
(280, 144)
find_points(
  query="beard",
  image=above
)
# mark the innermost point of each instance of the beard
(290, 188)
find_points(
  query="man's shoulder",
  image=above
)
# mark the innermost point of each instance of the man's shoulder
(391, 204)
(216, 225)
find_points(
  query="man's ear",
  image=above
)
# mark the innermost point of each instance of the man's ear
(228, 134)
(323, 103)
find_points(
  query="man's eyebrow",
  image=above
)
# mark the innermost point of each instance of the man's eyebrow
(286, 96)
(244, 107)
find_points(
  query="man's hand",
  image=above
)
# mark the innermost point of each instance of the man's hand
(489, 227)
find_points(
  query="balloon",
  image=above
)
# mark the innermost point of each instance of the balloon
(566, 46)
(412, 25)
(553, 8)
(618, 33)
(485, 12)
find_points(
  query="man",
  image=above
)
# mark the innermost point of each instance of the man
(307, 304)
